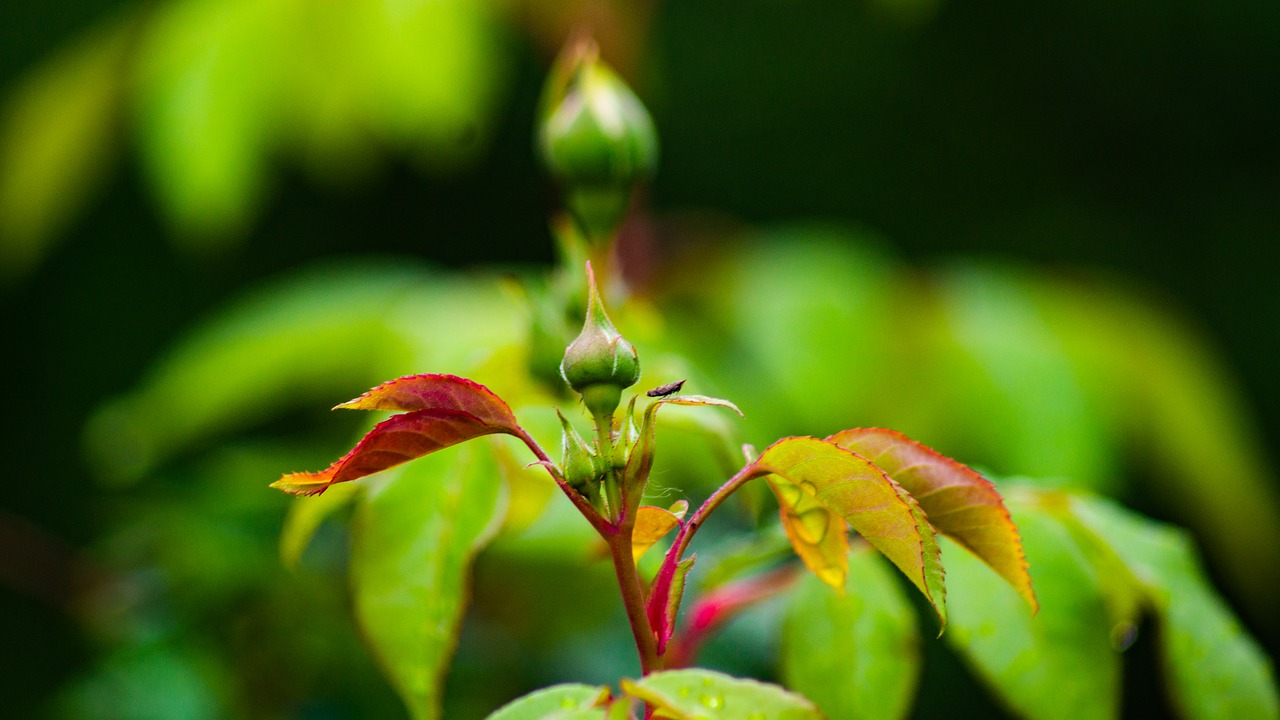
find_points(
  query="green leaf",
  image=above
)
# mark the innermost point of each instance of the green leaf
(444, 410)
(56, 139)
(207, 82)
(707, 695)
(856, 654)
(413, 538)
(960, 503)
(1059, 663)
(570, 701)
(1215, 669)
(872, 503)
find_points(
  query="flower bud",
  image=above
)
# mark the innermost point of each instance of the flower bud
(597, 139)
(577, 460)
(599, 364)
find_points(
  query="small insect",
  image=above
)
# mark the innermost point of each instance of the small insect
(665, 390)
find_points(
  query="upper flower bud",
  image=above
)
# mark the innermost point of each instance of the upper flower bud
(597, 139)
(599, 364)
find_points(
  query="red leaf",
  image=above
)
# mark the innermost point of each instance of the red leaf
(445, 410)
(959, 502)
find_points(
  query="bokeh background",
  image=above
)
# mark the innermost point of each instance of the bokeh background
(158, 158)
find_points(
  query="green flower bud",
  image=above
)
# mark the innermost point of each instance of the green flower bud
(597, 139)
(578, 461)
(599, 364)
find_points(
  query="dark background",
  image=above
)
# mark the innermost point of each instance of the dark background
(1138, 136)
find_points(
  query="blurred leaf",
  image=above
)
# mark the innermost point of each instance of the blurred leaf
(316, 335)
(776, 350)
(873, 505)
(653, 523)
(154, 682)
(1215, 669)
(569, 701)
(1057, 664)
(707, 695)
(1169, 392)
(995, 359)
(856, 654)
(433, 71)
(207, 81)
(446, 410)
(55, 142)
(413, 538)
(960, 503)
(304, 518)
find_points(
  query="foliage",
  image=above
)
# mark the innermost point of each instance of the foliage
(1010, 353)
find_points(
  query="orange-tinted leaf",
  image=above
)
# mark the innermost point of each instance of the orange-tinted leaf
(866, 498)
(959, 502)
(819, 535)
(446, 410)
(652, 523)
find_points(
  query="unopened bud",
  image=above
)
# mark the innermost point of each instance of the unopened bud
(597, 140)
(599, 364)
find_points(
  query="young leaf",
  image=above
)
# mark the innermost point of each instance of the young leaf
(431, 392)
(670, 586)
(960, 503)
(640, 462)
(1215, 669)
(707, 695)
(856, 654)
(413, 538)
(653, 523)
(1059, 664)
(446, 410)
(570, 701)
(871, 502)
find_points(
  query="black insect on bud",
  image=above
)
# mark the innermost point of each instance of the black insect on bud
(670, 388)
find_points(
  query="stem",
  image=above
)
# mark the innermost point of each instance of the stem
(604, 448)
(659, 599)
(633, 599)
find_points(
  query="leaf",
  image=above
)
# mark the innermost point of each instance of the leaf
(56, 142)
(960, 503)
(670, 586)
(855, 654)
(1059, 664)
(413, 538)
(653, 523)
(872, 503)
(569, 701)
(447, 410)
(819, 536)
(304, 518)
(1215, 670)
(640, 461)
(707, 695)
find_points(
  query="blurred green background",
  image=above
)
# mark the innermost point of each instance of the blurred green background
(157, 159)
